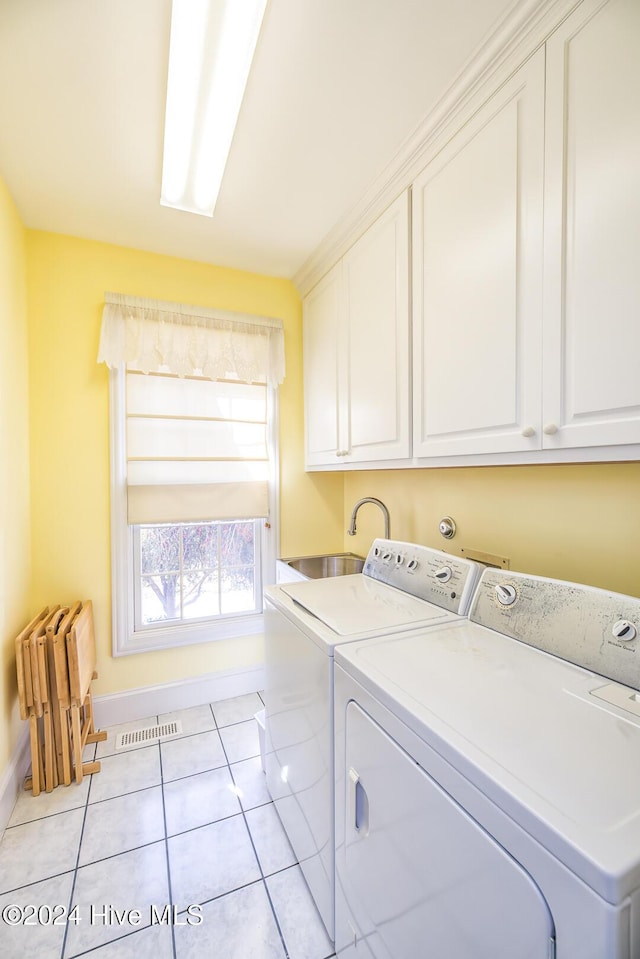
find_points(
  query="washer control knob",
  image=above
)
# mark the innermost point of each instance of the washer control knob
(386, 555)
(506, 594)
(624, 630)
(412, 565)
(399, 559)
(443, 574)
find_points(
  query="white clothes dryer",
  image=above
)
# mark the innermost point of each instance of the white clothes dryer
(403, 587)
(488, 781)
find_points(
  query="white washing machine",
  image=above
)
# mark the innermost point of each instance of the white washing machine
(488, 781)
(403, 587)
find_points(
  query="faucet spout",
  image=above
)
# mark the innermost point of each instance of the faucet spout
(369, 499)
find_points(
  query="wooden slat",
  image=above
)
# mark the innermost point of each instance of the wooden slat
(38, 687)
(81, 654)
(59, 731)
(60, 655)
(81, 659)
(22, 692)
(61, 669)
(40, 709)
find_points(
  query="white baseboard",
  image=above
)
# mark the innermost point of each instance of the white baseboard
(134, 704)
(12, 779)
(131, 705)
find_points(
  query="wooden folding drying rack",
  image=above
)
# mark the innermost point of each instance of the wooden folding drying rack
(55, 664)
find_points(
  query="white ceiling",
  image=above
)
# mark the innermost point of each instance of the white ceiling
(336, 87)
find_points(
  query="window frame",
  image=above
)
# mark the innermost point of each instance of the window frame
(126, 640)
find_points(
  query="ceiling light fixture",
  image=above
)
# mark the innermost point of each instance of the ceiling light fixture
(211, 48)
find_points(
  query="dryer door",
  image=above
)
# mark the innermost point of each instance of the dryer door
(419, 877)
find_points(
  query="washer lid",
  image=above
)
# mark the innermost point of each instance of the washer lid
(527, 730)
(357, 604)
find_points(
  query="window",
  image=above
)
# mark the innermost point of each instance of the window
(193, 465)
(196, 571)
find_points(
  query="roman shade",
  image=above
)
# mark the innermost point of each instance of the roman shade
(196, 443)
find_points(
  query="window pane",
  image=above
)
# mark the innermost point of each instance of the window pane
(237, 593)
(200, 595)
(236, 544)
(182, 577)
(160, 598)
(200, 546)
(159, 549)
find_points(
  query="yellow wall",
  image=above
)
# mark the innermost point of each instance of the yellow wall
(15, 572)
(580, 523)
(67, 280)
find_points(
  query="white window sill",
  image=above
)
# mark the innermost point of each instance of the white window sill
(149, 640)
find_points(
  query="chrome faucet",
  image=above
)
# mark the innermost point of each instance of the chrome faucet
(369, 499)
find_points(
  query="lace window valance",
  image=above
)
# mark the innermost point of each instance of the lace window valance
(150, 335)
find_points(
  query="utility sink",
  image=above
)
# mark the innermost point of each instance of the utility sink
(328, 564)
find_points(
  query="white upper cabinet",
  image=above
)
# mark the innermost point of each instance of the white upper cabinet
(356, 350)
(477, 270)
(376, 293)
(592, 228)
(525, 269)
(322, 324)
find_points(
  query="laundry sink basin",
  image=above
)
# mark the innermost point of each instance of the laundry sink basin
(328, 564)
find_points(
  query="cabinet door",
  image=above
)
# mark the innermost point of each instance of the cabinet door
(477, 272)
(592, 228)
(376, 293)
(322, 324)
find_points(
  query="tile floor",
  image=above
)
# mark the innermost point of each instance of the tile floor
(187, 824)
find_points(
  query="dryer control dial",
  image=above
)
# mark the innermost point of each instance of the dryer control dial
(624, 630)
(412, 565)
(443, 574)
(506, 594)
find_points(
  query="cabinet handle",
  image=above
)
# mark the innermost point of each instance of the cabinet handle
(342, 452)
(550, 429)
(528, 431)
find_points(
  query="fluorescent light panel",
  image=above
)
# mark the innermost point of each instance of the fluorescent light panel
(211, 49)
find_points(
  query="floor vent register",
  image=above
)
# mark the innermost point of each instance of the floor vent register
(148, 734)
